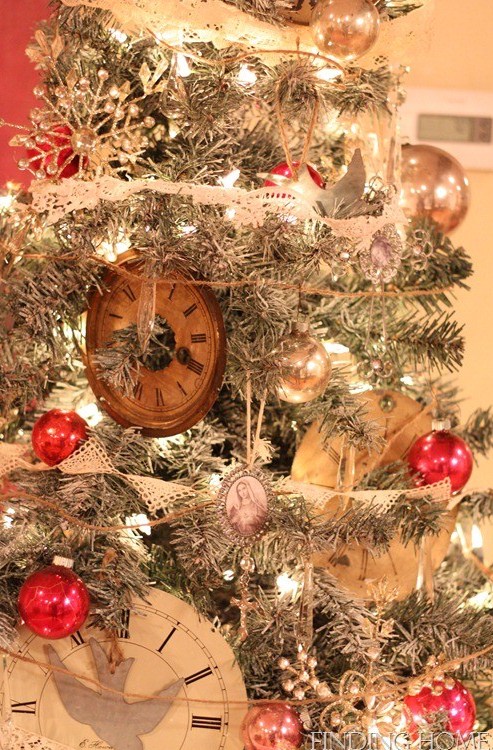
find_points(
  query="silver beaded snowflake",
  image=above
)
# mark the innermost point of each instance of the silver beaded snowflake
(89, 127)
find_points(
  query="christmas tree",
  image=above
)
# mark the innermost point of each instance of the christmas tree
(234, 473)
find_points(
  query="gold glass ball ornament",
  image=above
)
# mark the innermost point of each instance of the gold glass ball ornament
(345, 29)
(304, 364)
(434, 186)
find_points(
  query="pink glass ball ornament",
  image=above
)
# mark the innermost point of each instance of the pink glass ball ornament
(272, 726)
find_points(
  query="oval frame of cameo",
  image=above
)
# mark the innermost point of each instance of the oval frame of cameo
(244, 504)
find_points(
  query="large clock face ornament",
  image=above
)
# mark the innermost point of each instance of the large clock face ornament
(168, 652)
(173, 393)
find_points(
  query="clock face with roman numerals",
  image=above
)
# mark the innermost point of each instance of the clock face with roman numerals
(170, 646)
(178, 381)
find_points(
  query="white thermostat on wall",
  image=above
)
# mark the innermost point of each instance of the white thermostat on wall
(460, 122)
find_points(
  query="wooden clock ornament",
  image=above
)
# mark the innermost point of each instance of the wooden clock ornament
(168, 652)
(401, 421)
(169, 399)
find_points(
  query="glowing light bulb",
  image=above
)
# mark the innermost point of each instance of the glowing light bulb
(246, 76)
(8, 518)
(286, 585)
(182, 67)
(118, 35)
(229, 180)
(142, 520)
(328, 74)
(6, 202)
(90, 413)
(476, 537)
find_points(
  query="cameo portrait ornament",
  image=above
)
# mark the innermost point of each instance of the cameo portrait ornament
(244, 503)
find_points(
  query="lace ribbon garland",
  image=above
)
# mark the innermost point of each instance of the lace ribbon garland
(251, 207)
(13, 737)
(91, 458)
(318, 496)
(181, 22)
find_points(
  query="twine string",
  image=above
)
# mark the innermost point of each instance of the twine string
(248, 399)
(257, 52)
(258, 430)
(257, 281)
(400, 688)
(50, 505)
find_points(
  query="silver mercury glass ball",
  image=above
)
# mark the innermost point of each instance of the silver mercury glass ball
(304, 365)
(345, 29)
(84, 140)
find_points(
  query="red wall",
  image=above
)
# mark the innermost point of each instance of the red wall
(18, 19)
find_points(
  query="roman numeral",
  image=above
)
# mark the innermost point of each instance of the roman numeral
(334, 455)
(196, 367)
(172, 291)
(77, 639)
(181, 388)
(138, 390)
(115, 315)
(129, 292)
(166, 640)
(198, 676)
(198, 338)
(190, 310)
(159, 397)
(28, 707)
(206, 722)
(124, 631)
(40, 666)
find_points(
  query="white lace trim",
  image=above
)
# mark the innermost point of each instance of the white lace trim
(318, 496)
(245, 207)
(185, 21)
(15, 738)
(91, 458)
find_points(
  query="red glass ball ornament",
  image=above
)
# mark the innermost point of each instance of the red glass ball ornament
(59, 137)
(57, 434)
(283, 170)
(455, 701)
(54, 602)
(440, 454)
(272, 726)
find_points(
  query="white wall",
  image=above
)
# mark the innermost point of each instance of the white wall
(461, 56)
